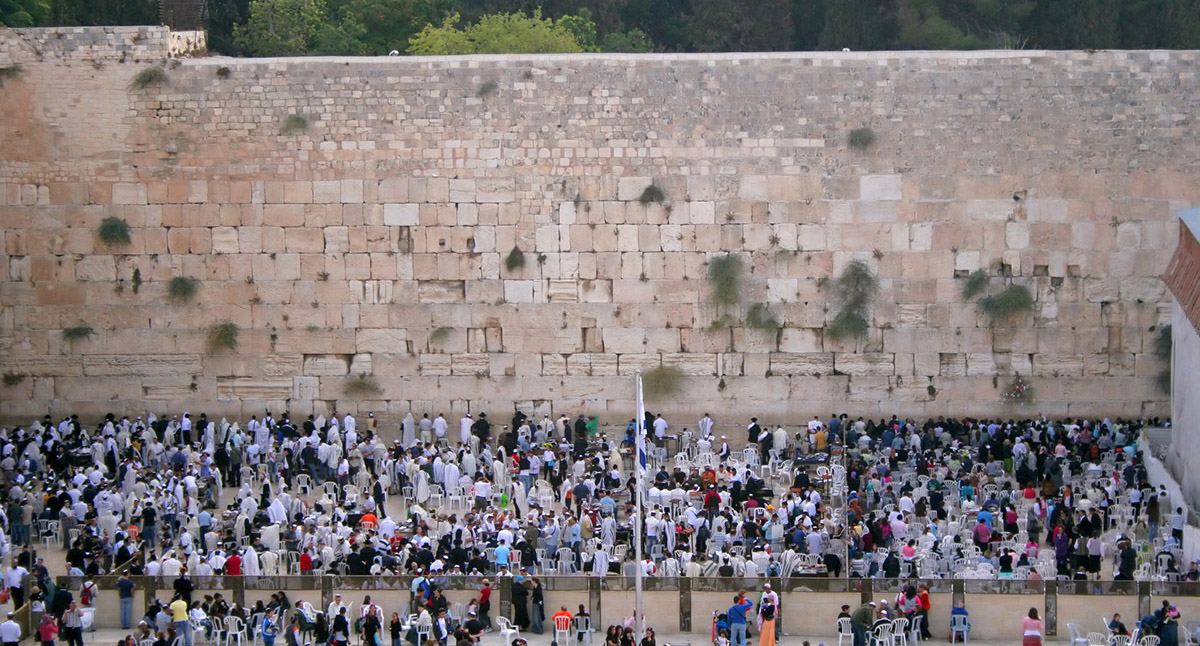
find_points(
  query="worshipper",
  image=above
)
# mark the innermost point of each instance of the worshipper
(1031, 629)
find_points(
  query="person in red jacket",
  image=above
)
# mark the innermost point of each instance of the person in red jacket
(305, 563)
(233, 565)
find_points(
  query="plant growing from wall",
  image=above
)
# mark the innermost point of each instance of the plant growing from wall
(975, 284)
(1164, 346)
(759, 317)
(78, 332)
(152, 76)
(854, 291)
(362, 385)
(136, 281)
(294, 124)
(1011, 302)
(182, 289)
(486, 89)
(114, 231)
(439, 335)
(515, 259)
(861, 138)
(662, 381)
(725, 279)
(13, 378)
(10, 73)
(223, 336)
(652, 194)
(223, 72)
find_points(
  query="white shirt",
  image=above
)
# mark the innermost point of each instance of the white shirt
(13, 577)
(10, 631)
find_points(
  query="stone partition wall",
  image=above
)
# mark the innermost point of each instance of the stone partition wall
(375, 239)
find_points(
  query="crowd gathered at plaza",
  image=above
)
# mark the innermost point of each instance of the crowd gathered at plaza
(511, 502)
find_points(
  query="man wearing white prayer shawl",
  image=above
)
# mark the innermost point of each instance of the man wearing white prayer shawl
(276, 512)
(408, 435)
(251, 566)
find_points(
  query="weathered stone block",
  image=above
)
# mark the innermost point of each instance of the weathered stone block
(401, 215)
(880, 188)
(867, 363)
(801, 363)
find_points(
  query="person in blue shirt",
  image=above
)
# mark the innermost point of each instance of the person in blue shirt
(737, 620)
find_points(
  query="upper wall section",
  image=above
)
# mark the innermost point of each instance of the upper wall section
(371, 234)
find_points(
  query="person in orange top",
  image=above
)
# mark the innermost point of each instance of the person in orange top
(562, 613)
(369, 518)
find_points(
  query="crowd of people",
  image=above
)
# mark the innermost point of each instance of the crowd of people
(181, 497)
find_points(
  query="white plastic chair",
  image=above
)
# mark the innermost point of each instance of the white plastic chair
(900, 631)
(882, 635)
(424, 628)
(959, 626)
(562, 630)
(235, 630)
(845, 631)
(508, 632)
(583, 630)
(1077, 639)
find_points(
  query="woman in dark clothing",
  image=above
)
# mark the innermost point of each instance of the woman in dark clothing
(538, 612)
(520, 602)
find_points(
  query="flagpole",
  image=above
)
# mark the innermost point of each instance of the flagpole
(638, 470)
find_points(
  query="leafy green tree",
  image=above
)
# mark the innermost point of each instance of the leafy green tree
(513, 33)
(24, 13)
(221, 16)
(100, 12)
(861, 25)
(921, 26)
(294, 28)
(634, 41)
(808, 17)
(387, 24)
(1075, 24)
(733, 25)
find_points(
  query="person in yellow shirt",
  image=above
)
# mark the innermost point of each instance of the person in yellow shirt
(179, 616)
(820, 440)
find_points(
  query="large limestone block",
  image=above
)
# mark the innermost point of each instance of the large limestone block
(622, 340)
(518, 291)
(225, 240)
(441, 291)
(701, 365)
(630, 188)
(867, 363)
(801, 363)
(495, 190)
(1057, 365)
(382, 340)
(141, 365)
(877, 188)
(477, 364)
(270, 389)
(401, 215)
(462, 190)
(325, 365)
(631, 364)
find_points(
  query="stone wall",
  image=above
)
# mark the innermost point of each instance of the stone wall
(375, 239)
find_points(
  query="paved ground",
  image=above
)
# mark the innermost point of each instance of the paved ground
(111, 637)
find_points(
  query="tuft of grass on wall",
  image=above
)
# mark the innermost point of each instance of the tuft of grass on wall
(759, 317)
(78, 332)
(854, 290)
(1013, 301)
(438, 335)
(223, 336)
(652, 194)
(114, 231)
(515, 259)
(725, 279)
(152, 76)
(861, 138)
(975, 284)
(13, 378)
(487, 88)
(10, 73)
(182, 289)
(362, 385)
(662, 381)
(847, 325)
(294, 124)
(223, 72)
